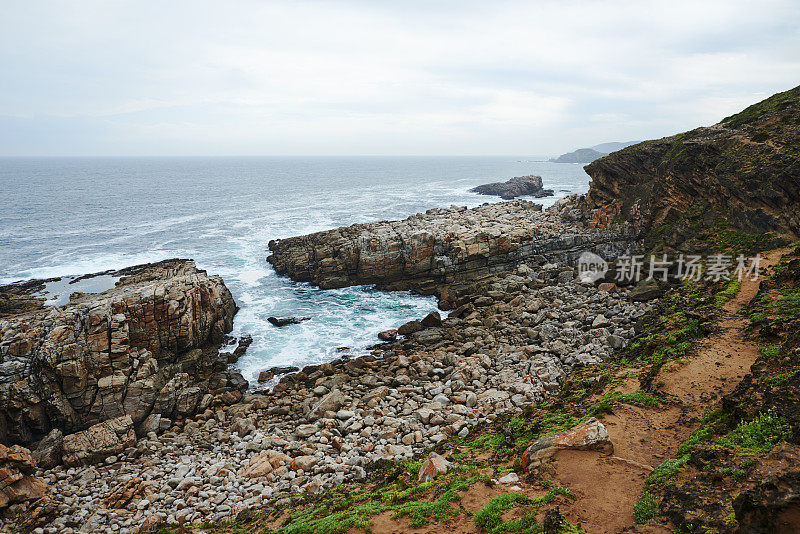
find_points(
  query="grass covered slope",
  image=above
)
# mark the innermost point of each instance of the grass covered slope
(742, 174)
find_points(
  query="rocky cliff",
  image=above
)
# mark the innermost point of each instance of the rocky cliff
(742, 174)
(149, 345)
(442, 246)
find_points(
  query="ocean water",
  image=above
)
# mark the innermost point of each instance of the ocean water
(70, 216)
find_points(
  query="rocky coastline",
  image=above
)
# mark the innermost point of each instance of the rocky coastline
(439, 251)
(134, 450)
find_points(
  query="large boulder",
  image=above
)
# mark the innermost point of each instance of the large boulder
(590, 435)
(18, 482)
(99, 442)
(329, 403)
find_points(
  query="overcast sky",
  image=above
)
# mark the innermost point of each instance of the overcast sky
(374, 77)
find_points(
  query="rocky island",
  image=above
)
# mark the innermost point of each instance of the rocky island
(119, 412)
(520, 186)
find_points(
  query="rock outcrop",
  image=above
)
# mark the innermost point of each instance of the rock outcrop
(18, 482)
(520, 186)
(427, 251)
(149, 344)
(741, 174)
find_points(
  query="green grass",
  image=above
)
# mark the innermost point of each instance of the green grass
(771, 351)
(782, 378)
(645, 508)
(441, 510)
(662, 474)
(730, 290)
(712, 424)
(489, 518)
(757, 436)
(734, 472)
(487, 441)
(318, 520)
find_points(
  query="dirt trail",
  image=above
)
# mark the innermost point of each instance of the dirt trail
(607, 488)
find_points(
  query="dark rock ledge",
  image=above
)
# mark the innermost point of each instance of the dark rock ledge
(516, 187)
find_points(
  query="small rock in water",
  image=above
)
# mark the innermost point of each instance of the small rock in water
(388, 335)
(284, 321)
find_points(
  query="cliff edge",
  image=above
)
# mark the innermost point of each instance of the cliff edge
(742, 173)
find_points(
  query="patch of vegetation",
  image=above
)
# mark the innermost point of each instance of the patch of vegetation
(782, 378)
(730, 290)
(734, 472)
(662, 474)
(752, 114)
(319, 520)
(771, 351)
(441, 510)
(712, 424)
(757, 436)
(488, 441)
(489, 518)
(645, 508)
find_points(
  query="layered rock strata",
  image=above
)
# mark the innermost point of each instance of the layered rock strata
(150, 344)
(441, 247)
(742, 173)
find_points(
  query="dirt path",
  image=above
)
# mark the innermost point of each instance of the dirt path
(607, 488)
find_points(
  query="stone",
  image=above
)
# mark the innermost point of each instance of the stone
(306, 463)
(18, 482)
(99, 441)
(243, 426)
(511, 478)
(48, 452)
(410, 327)
(435, 464)
(285, 321)
(344, 415)
(646, 290)
(608, 287)
(388, 335)
(590, 435)
(329, 403)
(601, 322)
(306, 431)
(151, 424)
(433, 319)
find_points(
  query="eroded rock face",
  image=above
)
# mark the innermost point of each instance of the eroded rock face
(150, 342)
(516, 187)
(443, 246)
(744, 170)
